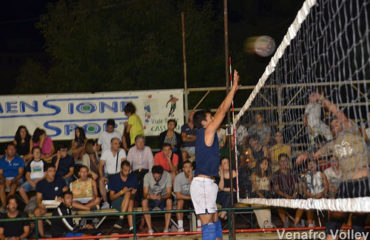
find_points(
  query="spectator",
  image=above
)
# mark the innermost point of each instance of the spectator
(173, 138)
(261, 182)
(105, 137)
(334, 176)
(312, 119)
(14, 229)
(241, 134)
(182, 191)
(91, 158)
(167, 160)
(134, 126)
(64, 164)
(78, 143)
(223, 196)
(157, 193)
(221, 135)
(277, 149)
(261, 129)
(11, 172)
(51, 187)
(65, 227)
(188, 137)
(34, 174)
(40, 139)
(85, 191)
(23, 143)
(316, 186)
(110, 159)
(286, 186)
(122, 190)
(256, 152)
(141, 161)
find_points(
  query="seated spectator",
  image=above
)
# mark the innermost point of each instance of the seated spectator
(64, 164)
(223, 195)
(286, 186)
(256, 152)
(110, 161)
(182, 191)
(316, 186)
(91, 159)
(78, 143)
(23, 143)
(278, 149)
(104, 141)
(171, 137)
(188, 137)
(11, 172)
(122, 190)
(168, 160)
(157, 193)
(14, 229)
(261, 182)
(51, 187)
(221, 135)
(141, 161)
(261, 129)
(65, 227)
(34, 174)
(334, 176)
(244, 173)
(40, 139)
(241, 134)
(134, 126)
(85, 191)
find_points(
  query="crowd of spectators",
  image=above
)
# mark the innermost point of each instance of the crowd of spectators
(119, 171)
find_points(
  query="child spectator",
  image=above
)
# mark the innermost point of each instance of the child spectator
(85, 191)
(168, 160)
(40, 139)
(223, 196)
(34, 174)
(122, 190)
(78, 143)
(23, 143)
(157, 193)
(261, 182)
(13, 229)
(316, 186)
(64, 164)
(312, 119)
(134, 126)
(11, 173)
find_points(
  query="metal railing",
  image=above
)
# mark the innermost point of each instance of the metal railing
(134, 214)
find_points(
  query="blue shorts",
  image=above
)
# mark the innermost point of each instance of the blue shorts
(27, 187)
(73, 235)
(157, 203)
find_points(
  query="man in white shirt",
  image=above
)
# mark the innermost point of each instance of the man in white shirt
(110, 164)
(105, 137)
(141, 161)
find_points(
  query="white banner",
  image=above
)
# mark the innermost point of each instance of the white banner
(60, 114)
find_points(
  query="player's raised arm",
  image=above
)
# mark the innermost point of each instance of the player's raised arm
(221, 111)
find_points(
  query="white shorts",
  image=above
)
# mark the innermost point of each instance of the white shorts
(203, 193)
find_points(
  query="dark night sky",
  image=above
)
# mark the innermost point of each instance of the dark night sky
(20, 40)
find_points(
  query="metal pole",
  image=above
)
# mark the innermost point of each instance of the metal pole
(226, 36)
(186, 93)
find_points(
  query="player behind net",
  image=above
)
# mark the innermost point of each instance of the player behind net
(203, 189)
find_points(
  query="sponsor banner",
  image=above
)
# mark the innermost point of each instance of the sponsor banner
(60, 114)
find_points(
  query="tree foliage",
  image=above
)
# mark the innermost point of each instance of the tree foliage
(114, 45)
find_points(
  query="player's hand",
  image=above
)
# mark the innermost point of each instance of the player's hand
(236, 79)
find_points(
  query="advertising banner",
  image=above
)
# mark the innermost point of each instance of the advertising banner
(60, 114)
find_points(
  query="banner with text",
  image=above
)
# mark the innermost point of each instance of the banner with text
(60, 114)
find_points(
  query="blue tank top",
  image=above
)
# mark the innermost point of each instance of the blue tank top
(207, 159)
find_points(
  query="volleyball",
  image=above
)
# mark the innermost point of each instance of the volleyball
(263, 46)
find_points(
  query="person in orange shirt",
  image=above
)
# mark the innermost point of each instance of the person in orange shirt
(168, 160)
